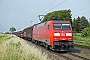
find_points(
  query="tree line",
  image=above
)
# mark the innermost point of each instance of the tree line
(79, 24)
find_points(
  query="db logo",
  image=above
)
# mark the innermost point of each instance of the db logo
(63, 34)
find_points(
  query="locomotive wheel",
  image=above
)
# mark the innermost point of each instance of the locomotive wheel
(36, 42)
(47, 46)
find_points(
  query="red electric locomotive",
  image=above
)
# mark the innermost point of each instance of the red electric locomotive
(54, 34)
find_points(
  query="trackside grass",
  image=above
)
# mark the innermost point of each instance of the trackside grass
(5, 37)
(81, 40)
(2, 36)
(18, 49)
(85, 41)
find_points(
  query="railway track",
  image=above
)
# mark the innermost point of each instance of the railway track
(81, 46)
(70, 56)
(82, 57)
(59, 55)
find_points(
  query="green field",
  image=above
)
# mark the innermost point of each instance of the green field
(81, 40)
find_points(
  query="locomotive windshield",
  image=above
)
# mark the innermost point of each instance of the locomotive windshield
(57, 26)
(61, 26)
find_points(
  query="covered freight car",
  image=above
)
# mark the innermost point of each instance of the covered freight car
(28, 33)
(18, 33)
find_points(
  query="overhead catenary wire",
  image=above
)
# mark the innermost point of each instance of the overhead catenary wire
(54, 6)
(83, 13)
(62, 3)
(57, 5)
(82, 8)
(74, 11)
(45, 8)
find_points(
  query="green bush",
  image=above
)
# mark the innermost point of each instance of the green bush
(86, 32)
(7, 32)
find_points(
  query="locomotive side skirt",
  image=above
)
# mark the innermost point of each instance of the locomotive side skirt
(42, 40)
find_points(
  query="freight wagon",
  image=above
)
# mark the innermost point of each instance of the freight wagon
(28, 33)
(18, 33)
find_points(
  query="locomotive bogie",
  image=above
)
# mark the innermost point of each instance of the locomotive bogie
(62, 46)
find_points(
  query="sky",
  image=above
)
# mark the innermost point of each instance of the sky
(20, 13)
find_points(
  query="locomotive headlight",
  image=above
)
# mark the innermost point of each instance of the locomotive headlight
(55, 39)
(21, 34)
(68, 34)
(56, 34)
(69, 39)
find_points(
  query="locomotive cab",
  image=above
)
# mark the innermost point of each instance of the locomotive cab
(61, 33)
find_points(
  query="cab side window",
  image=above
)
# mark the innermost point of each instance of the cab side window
(48, 27)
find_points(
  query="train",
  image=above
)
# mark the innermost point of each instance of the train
(55, 35)
(19, 34)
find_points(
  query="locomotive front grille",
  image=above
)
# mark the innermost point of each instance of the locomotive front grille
(58, 46)
(63, 43)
